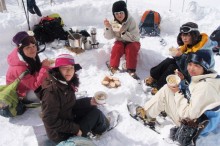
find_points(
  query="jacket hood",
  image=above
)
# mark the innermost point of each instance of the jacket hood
(15, 59)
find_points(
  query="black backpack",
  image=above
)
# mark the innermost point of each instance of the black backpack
(49, 29)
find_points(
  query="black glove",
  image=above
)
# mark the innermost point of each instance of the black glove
(33, 8)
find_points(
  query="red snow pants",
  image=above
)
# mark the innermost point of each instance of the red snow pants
(130, 50)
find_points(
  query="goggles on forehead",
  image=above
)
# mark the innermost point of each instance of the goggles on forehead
(119, 13)
(198, 60)
(187, 29)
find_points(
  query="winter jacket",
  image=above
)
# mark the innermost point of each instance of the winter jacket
(201, 100)
(130, 32)
(58, 100)
(204, 44)
(16, 66)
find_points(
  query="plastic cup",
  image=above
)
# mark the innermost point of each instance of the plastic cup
(173, 51)
(173, 80)
(116, 26)
(100, 97)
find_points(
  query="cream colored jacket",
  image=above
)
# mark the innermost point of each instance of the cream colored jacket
(205, 95)
(130, 32)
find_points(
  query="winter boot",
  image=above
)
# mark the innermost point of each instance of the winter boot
(149, 81)
(112, 69)
(113, 118)
(133, 74)
(154, 91)
(139, 113)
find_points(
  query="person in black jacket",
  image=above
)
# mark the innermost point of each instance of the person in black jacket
(63, 115)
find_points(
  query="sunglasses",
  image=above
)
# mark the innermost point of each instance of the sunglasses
(119, 13)
(187, 29)
(197, 60)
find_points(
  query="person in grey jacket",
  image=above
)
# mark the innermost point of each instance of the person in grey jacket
(126, 38)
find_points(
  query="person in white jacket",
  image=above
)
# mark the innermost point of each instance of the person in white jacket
(126, 34)
(203, 95)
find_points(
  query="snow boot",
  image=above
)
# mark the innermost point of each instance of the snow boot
(113, 118)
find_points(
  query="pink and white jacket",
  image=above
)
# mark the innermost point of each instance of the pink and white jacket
(16, 66)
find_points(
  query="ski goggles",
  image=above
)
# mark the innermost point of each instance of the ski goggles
(119, 13)
(187, 29)
(197, 60)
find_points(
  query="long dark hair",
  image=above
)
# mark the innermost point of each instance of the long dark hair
(56, 74)
(34, 65)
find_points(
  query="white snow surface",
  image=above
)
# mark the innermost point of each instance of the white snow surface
(85, 14)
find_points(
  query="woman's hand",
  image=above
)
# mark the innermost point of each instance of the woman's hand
(46, 63)
(93, 102)
(177, 72)
(179, 52)
(79, 133)
(107, 23)
(174, 89)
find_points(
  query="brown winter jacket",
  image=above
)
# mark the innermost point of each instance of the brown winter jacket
(58, 100)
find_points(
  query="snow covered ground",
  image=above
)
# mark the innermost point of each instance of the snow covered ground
(86, 14)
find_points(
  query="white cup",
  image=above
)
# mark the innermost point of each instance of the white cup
(100, 97)
(173, 80)
(116, 26)
(173, 51)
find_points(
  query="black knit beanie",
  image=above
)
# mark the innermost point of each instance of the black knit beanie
(195, 34)
(120, 6)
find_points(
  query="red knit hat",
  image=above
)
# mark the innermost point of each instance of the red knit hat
(66, 59)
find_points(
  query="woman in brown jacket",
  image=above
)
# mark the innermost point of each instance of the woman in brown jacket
(63, 115)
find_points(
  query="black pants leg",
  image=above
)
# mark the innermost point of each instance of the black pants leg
(157, 71)
(162, 80)
(94, 121)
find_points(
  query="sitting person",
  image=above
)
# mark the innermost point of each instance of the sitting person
(25, 57)
(215, 36)
(189, 40)
(127, 39)
(63, 115)
(204, 95)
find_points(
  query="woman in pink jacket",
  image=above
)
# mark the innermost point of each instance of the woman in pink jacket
(24, 57)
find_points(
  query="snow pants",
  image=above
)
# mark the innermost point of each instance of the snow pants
(162, 70)
(163, 101)
(90, 119)
(130, 50)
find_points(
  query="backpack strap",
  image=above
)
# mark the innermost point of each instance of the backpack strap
(156, 18)
(145, 15)
(23, 74)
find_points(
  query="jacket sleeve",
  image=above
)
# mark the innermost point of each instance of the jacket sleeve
(109, 33)
(51, 111)
(199, 101)
(34, 81)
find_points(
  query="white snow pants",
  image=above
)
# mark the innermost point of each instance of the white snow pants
(163, 101)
